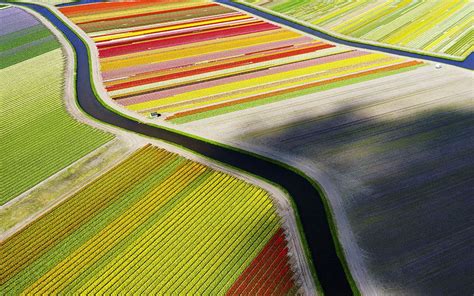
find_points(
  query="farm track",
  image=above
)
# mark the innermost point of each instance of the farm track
(308, 201)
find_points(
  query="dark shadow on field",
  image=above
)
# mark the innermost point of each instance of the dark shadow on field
(408, 185)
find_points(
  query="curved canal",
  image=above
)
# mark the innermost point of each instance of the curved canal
(306, 197)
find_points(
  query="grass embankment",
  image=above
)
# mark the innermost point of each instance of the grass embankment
(61, 185)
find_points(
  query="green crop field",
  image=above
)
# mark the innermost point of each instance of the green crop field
(156, 222)
(435, 26)
(39, 137)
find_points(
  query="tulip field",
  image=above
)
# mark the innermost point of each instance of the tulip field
(398, 154)
(22, 37)
(155, 223)
(435, 26)
(190, 60)
(39, 137)
(385, 140)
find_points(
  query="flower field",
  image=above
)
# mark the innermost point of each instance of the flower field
(434, 26)
(190, 60)
(156, 222)
(22, 37)
(397, 152)
(39, 137)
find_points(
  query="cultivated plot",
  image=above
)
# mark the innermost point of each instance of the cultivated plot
(436, 26)
(155, 223)
(39, 137)
(193, 60)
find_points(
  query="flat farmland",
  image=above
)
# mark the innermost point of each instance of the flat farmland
(155, 223)
(396, 157)
(389, 138)
(23, 37)
(191, 60)
(39, 137)
(435, 26)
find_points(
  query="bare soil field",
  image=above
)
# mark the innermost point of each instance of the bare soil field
(394, 156)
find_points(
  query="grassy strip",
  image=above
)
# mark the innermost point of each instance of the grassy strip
(466, 40)
(350, 39)
(85, 170)
(291, 95)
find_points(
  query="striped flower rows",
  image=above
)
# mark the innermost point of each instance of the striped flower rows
(39, 137)
(155, 223)
(22, 37)
(190, 60)
(435, 26)
(269, 273)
